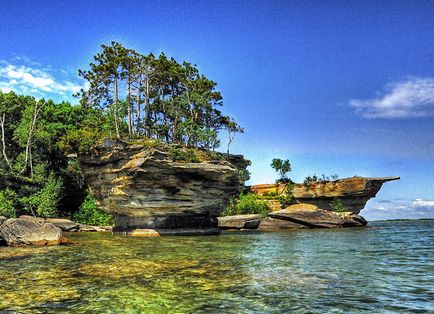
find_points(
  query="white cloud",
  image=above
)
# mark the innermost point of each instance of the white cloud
(411, 98)
(412, 209)
(39, 82)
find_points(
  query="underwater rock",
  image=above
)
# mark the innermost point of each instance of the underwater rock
(239, 222)
(28, 230)
(145, 233)
(353, 192)
(148, 187)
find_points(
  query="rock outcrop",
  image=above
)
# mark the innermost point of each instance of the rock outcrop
(297, 216)
(239, 222)
(28, 230)
(352, 192)
(312, 217)
(147, 187)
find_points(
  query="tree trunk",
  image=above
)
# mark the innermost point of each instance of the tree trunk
(116, 108)
(129, 107)
(2, 124)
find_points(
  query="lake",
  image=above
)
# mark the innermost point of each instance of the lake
(386, 268)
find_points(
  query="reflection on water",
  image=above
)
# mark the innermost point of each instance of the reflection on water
(389, 268)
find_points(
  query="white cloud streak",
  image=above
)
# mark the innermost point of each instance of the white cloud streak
(414, 209)
(410, 98)
(34, 81)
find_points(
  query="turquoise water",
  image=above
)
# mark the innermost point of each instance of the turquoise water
(388, 268)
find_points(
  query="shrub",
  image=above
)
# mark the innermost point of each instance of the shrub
(247, 204)
(337, 206)
(91, 214)
(7, 203)
(44, 203)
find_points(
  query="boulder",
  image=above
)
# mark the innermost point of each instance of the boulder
(313, 217)
(2, 219)
(239, 222)
(147, 187)
(270, 224)
(65, 225)
(28, 230)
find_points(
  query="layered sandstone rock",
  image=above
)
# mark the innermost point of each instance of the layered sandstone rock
(352, 192)
(145, 187)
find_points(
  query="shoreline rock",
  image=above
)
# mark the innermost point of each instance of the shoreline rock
(28, 230)
(239, 222)
(297, 216)
(145, 187)
(353, 192)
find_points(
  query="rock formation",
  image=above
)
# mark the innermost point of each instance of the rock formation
(151, 187)
(28, 230)
(239, 222)
(297, 216)
(352, 192)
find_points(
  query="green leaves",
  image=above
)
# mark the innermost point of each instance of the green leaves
(282, 167)
(90, 214)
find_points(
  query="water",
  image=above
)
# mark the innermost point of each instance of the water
(388, 268)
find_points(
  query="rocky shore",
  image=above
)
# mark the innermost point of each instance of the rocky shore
(36, 231)
(297, 216)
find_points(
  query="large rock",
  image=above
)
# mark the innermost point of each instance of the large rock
(270, 224)
(239, 222)
(145, 188)
(27, 230)
(352, 192)
(65, 225)
(313, 217)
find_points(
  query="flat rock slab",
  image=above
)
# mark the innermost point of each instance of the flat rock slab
(144, 233)
(270, 224)
(239, 222)
(28, 230)
(313, 217)
(65, 224)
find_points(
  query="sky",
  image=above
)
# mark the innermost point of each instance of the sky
(336, 87)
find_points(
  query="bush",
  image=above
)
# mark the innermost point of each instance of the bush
(7, 203)
(337, 206)
(91, 214)
(44, 203)
(247, 204)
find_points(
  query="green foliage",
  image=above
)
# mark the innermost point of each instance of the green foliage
(7, 203)
(323, 179)
(163, 99)
(184, 154)
(282, 167)
(91, 214)
(337, 205)
(247, 204)
(44, 202)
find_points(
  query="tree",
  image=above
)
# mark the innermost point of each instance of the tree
(282, 167)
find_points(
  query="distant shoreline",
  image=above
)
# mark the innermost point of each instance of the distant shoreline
(404, 219)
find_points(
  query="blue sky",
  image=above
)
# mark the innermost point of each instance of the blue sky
(342, 87)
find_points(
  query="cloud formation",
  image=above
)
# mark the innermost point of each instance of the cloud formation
(411, 98)
(414, 209)
(39, 82)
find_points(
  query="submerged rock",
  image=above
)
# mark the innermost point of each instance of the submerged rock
(146, 188)
(145, 233)
(28, 230)
(311, 216)
(352, 192)
(239, 222)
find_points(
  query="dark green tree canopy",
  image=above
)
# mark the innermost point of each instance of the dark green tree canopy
(156, 97)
